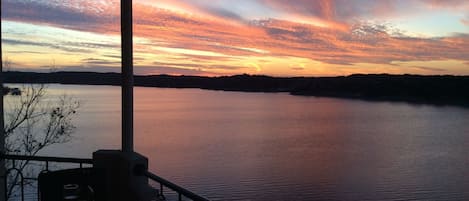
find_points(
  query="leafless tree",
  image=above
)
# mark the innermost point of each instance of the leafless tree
(33, 121)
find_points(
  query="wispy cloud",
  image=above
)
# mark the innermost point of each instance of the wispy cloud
(141, 70)
(451, 4)
(99, 62)
(197, 66)
(78, 15)
(77, 49)
(297, 68)
(430, 68)
(209, 36)
(465, 21)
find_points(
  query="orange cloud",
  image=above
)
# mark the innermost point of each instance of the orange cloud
(465, 21)
(204, 41)
(452, 4)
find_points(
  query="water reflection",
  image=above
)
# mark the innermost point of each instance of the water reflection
(256, 146)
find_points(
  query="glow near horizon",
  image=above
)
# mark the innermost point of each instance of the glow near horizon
(256, 37)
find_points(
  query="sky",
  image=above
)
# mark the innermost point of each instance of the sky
(227, 37)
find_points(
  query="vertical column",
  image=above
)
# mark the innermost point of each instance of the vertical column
(127, 75)
(2, 134)
(2, 127)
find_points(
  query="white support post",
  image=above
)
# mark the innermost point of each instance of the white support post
(127, 76)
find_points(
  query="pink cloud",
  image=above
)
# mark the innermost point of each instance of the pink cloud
(452, 4)
(361, 43)
(337, 10)
(465, 21)
(320, 8)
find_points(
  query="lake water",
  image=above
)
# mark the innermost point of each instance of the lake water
(267, 146)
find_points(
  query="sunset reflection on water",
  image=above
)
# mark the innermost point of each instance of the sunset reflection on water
(250, 146)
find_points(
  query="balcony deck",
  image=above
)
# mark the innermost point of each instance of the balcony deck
(84, 173)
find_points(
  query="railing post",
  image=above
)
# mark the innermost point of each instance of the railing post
(2, 123)
(127, 75)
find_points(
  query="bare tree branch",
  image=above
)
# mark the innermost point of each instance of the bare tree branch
(33, 122)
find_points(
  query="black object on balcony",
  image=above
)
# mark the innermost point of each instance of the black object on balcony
(72, 184)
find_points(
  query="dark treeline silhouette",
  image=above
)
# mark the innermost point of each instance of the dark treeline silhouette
(444, 90)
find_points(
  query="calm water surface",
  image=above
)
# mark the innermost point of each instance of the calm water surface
(261, 146)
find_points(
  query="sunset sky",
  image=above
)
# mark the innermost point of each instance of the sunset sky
(227, 37)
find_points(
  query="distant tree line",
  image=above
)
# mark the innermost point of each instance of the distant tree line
(444, 89)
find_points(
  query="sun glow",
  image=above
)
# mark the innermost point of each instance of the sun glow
(221, 38)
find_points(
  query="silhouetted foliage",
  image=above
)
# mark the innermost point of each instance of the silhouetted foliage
(445, 89)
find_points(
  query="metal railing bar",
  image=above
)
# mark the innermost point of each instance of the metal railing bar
(182, 191)
(47, 159)
(5, 187)
(163, 182)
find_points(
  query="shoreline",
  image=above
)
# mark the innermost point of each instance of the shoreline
(414, 89)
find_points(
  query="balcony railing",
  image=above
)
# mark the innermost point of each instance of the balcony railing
(22, 179)
(80, 163)
(177, 189)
